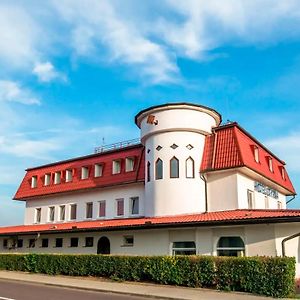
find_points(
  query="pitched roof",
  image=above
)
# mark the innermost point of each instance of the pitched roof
(107, 179)
(240, 216)
(230, 146)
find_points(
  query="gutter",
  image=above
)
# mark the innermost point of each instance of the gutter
(294, 196)
(287, 239)
(205, 191)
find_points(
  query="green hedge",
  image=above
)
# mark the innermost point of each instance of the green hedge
(271, 276)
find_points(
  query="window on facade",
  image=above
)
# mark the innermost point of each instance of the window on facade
(57, 177)
(148, 171)
(20, 243)
(51, 213)
(282, 172)
(190, 168)
(38, 212)
(45, 243)
(270, 163)
(250, 199)
(58, 242)
(266, 202)
(74, 242)
(116, 167)
(184, 248)
(279, 205)
(31, 243)
(62, 212)
(128, 240)
(84, 172)
(98, 170)
(159, 169)
(33, 182)
(102, 208)
(69, 175)
(174, 167)
(255, 151)
(129, 164)
(89, 210)
(120, 207)
(134, 205)
(5, 243)
(230, 246)
(89, 242)
(47, 179)
(73, 211)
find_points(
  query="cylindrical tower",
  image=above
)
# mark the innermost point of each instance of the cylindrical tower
(174, 135)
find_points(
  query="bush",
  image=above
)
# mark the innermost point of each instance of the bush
(270, 276)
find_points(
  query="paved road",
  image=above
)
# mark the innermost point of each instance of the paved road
(16, 290)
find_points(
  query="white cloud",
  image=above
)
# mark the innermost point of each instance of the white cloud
(46, 72)
(12, 91)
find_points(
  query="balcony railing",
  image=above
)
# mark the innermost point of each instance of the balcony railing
(117, 145)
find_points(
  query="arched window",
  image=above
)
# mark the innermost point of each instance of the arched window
(148, 171)
(189, 168)
(230, 246)
(174, 167)
(184, 248)
(159, 169)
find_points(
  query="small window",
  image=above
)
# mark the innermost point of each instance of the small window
(62, 212)
(84, 172)
(266, 202)
(58, 242)
(250, 199)
(279, 205)
(148, 171)
(174, 168)
(270, 163)
(33, 182)
(116, 166)
(174, 146)
(282, 172)
(45, 243)
(158, 148)
(89, 210)
(89, 242)
(74, 242)
(51, 213)
(120, 207)
(184, 248)
(129, 164)
(159, 169)
(73, 211)
(230, 246)
(102, 208)
(69, 175)
(57, 177)
(47, 179)
(38, 212)
(98, 170)
(134, 203)
(255, 150)
(189, 146)
(5, 243)
(128, 240)
(20, 243)
(31, 243)
(190, 168)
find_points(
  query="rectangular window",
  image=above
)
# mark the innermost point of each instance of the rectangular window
(58, 242)
(69, 175)
(33, 182)
(31, 243)
(120, 207)
(250, 198)
(84, 172)
(184, 248)
(279, 205)
(266, 202)
(37, 217)
(20, 243)
(282, 172)
(45, 243)
(129, 164)
(57, 177)
(73, 211)
(128, 240)
(51, 213)
(98, 170)
(74, 242)
(89, 242)
(102, 208)
(5, 243)
(62, 212)
(47, 179)
(116, 166)
(89, 210)
(270, 163)
(134, 205)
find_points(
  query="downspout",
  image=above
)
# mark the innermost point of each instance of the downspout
(294, 196)
(287, 239)
(205, 191)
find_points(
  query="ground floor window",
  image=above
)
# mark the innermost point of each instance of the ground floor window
(230, 246)
(184, 248)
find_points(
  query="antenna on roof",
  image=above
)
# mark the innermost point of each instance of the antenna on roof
(103, 141)
(229, 121)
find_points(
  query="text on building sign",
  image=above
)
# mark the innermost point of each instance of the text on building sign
(261, 188)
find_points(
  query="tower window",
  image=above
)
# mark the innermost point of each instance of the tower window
(159, 169)
(190, 168)
(174, 146)
(148, 171)
(174, 167)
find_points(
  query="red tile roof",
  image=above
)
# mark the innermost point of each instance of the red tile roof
(108, 179)
(241, 216)
(230, 146)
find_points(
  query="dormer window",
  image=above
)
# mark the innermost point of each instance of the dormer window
(129, 164)
(33, 182)
(282, 172)
(47, 179)
(255, 150)
(116, 167)
(84, 172)
(98, 170)
(57, 177)
(69, 175)
(270, 163)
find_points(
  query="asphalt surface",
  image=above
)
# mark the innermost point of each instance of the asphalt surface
(16, 290)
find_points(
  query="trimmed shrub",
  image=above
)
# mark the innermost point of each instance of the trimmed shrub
(270, 276)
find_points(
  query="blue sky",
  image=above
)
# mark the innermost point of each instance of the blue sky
(75, 72)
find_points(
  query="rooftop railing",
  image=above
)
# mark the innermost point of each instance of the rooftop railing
(117, 145)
